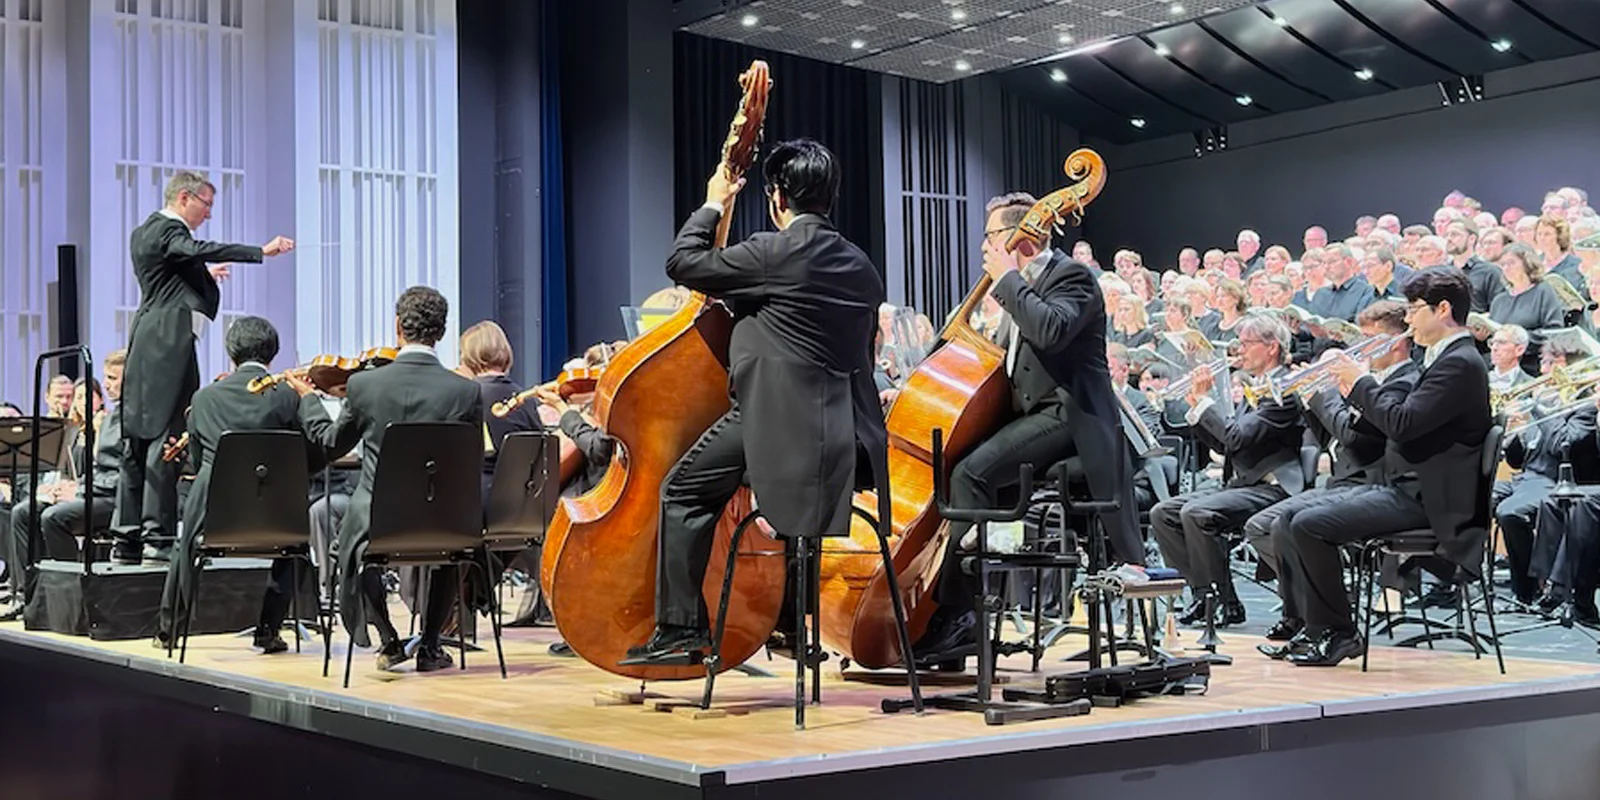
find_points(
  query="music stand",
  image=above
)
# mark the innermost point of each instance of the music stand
(16, 442)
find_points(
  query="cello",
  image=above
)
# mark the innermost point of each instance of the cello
(962, 390)
(656, 397)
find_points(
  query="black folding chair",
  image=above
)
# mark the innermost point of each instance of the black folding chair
(255, 507)
(523, 497)
(427, 506)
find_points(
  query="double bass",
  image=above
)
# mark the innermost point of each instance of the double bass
(962, 390)
(656, 397)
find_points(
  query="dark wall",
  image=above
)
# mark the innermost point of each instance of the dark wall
(1538, 129)
(838, 106)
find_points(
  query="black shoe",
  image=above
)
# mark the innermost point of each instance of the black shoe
(127, 554)
(669, 644)
(1588, 617)
(1444, 596)
(1194, 613)
(957, 631)
(1278, 652)
(562, 650)
(1231, 613)
(431, 658)
(392, 655)
(1549, 603)
(780, 644)
(1285, 629)
(1329, 650)
(161, 553)
(271, 644)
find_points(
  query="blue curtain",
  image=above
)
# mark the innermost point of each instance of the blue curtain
(553, 191)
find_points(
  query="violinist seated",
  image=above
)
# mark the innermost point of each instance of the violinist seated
(223, 406)
(1537, 451)
(1570, 564)
(805, 306)
(578, 431)
(1261, 443)
(414, 388)
(486, 358)
(1055, 341)
(1506, 347)
(60, 501)
(1355, 449)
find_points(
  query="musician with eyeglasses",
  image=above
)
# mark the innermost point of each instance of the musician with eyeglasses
(1431, 468)
(1261, 443)
(1355, 449)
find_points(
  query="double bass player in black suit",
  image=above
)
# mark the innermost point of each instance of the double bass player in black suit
(805, 304)
(177, 294)
(1055, 339)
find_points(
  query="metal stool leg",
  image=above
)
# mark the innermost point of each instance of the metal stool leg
(714, 660)
(1494, 632)
(802, 645)
(813, 585)
(461, 614)
(1370, 557)
(900, 620)
(188, 612)
(494, 611)
(294, 599)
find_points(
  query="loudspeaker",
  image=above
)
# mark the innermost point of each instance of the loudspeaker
(67, 331)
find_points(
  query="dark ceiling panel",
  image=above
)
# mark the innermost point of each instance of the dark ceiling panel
(1201, 52)
(1581, 18)
(1140, 62)
(1423, 27)
(1330, 27)
(1100, 83)
(1528, 34)
(1255, 35)
(1062, 100)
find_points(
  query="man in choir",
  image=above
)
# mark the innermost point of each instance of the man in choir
(414, 388)
(177, 294)
(1262, 445)
(1249, 247)
(58, 396)
(1390, 223)
(1212, 260)
(1509, 217)
(805, 301)
(1355, 449)
(1525, 228)
(1554, 204)
(1061, 385)
(1365, 224)
(1431, 468)
(1383, 273)
(223, 406)
(1430, 252)
(1492, 242)
(1278, 293)
(63, 508)
(1506, 347)
(1188, 261)
(1461, 245)
(1084, 253)
(1315, 238)
(1347, 292)
(1316, 277)
(1443, 217)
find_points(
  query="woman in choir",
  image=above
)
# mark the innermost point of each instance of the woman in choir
(1552, 236)
(1527, 301)
(1130, 325)
(1232, 266)
(1230, 302)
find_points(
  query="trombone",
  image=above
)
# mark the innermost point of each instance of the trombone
(1556, 394)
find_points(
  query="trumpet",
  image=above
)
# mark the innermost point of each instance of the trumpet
(1179, 389)
(1310, 380)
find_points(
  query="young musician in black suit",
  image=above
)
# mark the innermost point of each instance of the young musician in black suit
(1355, 449)
(414, 388)
(177, 294)
(1054, 333)
(1431, 467)
(229, 405)
(486, 357)
(805, 303)
(1261, 443)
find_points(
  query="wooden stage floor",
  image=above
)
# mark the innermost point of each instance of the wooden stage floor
(554, 706)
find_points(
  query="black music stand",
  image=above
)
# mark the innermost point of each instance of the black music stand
(17, 438)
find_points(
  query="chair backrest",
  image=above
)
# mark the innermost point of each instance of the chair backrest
(1309, 454)
(525, 490)
(256, 497)
(427, 491)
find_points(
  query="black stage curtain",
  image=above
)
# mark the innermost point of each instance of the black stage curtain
(838, 106)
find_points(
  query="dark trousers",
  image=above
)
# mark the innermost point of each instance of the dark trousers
(1567, 548)
(692, 499)
(1041, 439)
(59, 524)
(147, 487)
(1308, 548)
(1516, 505)
(1263, 532)
(1189, 529)
(443, 588)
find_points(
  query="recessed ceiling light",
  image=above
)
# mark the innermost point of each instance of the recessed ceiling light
(750, 21)
(1137, 122)
(857, 44)
(1176, 8)
(1364, 74)
(1244, 99)
(1161, 50)
(1280, 21)
(962, 66)
(1501, 45)
(1065, 38)
(957, 14)
(1058, 75)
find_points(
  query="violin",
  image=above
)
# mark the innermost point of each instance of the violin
(579, 380)
(329, 373)
(173, 450)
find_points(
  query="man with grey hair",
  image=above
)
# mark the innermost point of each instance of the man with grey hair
(1390, 223)
(178, 294)
(1365, 224)
(1188, 261)
(1429, 252)
(1315, 238)
(1263, 444)
(1506, 347)
(1249, 246)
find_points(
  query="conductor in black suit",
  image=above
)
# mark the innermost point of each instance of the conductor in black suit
(178, 293)
(414, 388)
(1431, 467)
(1055, 339)
(229, 405)
(805, 305)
